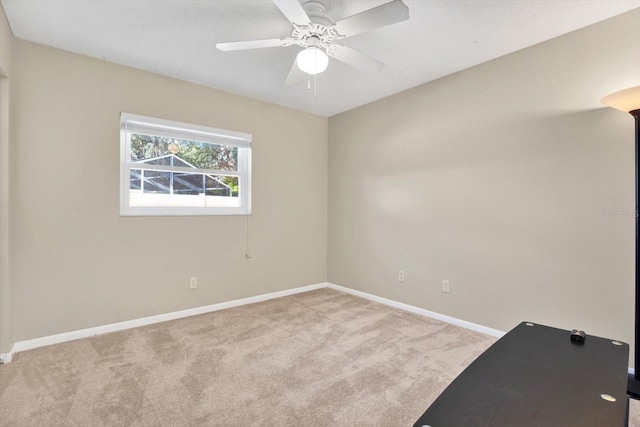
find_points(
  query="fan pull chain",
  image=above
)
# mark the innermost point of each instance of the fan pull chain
(315, 84)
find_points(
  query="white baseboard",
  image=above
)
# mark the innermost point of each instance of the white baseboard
(113, 327)
(421, 311)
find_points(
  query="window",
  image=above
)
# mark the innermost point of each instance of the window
(171, 168)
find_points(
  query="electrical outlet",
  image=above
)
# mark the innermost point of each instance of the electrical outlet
(193, 282)
(445, 286)
(400, 275)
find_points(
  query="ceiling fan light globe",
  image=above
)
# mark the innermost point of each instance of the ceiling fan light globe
(312, 60)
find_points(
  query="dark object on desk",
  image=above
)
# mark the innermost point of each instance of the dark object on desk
(578, 336)
(534, 376)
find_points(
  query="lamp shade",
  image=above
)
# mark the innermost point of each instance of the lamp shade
(626, 100)
(312, 60)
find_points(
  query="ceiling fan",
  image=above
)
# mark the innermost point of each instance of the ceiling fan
(317, 33)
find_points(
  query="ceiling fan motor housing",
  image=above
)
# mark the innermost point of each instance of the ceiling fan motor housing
(316, 11)
(317, 35)
(320, 32)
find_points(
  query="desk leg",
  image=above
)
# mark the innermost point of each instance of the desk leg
(633, 388)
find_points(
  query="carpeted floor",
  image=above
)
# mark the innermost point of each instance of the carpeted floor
(321, 358)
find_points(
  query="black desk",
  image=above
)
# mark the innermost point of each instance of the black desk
(535, 376)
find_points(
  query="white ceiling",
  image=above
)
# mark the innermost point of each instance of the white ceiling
(177, 38)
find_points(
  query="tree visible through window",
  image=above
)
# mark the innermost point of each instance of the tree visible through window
(168, 151)
(172, 167)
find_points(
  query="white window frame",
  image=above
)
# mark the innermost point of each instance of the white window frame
(130, 123)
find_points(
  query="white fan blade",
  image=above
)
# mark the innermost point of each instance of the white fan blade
(294, 12)
(377, 17)
(250, 44)
(354, 58)
(296, 75)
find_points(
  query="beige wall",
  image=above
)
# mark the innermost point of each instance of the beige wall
(79, 264)
(6, 306)
(496, 178)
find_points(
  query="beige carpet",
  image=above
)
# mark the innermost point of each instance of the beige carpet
(322, 358)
